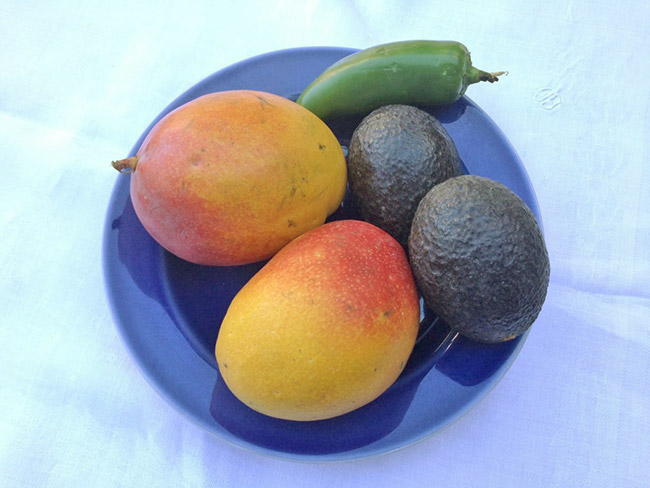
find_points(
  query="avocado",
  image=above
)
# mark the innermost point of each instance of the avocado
(396, 154)
(479, 258)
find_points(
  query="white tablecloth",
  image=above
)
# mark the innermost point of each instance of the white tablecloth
(80, 81)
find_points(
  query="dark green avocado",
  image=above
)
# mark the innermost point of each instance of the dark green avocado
(479, 258)
(396, 154)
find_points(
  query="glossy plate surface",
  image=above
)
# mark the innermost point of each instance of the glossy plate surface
(168, 311)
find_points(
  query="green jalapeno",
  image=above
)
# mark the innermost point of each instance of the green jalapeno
(406, 72)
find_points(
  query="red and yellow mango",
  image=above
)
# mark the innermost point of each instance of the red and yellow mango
(325, 327)
(231, 177)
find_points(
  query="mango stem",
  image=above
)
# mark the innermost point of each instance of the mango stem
(126, 165)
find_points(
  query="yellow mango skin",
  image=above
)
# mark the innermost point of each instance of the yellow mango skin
(324, 328)
(231, 177)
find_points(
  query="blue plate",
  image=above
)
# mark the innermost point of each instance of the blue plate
(168, 311)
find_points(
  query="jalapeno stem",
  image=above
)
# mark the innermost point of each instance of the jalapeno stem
(476, 75)
(491, 77)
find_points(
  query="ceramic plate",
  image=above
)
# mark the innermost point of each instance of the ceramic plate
(168, 311)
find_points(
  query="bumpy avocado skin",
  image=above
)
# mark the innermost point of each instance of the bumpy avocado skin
(396, 154)
(479, 258)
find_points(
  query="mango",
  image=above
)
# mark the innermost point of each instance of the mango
(231, 177)
(325, 327)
